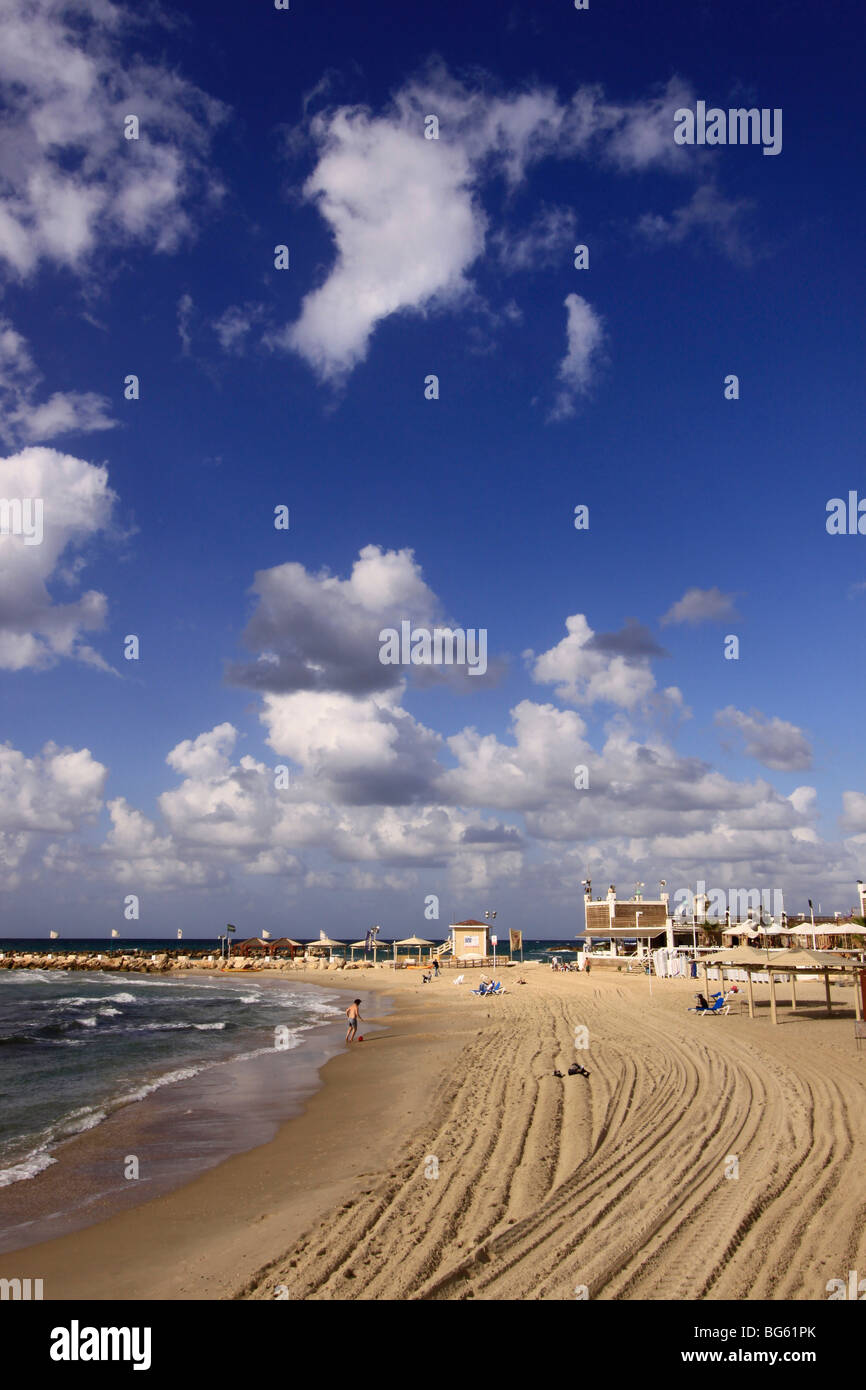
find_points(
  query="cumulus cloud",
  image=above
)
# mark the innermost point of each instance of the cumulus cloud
(26, 420)
(36, 630)
(319, 632)
(701, 606)
(364, 751)
(58, 790)
(405, 212)
(584, 336)
(140, 858)
(70, 179)
(854, 812)
(774, 742)
(585, 671)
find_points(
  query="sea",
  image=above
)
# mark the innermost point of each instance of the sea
(120, 1062)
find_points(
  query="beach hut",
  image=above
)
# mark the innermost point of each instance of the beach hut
(253, 946)
(285, 943)
(469, 942)
(411, 941)
(804, 963)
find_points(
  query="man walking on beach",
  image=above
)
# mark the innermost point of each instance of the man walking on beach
(353, 1014)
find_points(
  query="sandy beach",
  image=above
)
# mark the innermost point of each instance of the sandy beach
(703, 1158)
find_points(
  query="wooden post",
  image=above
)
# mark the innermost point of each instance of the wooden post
(827, 991)
(751, 995)
(794, 992)
(706, 982)
(772, 975)
(858, 1009)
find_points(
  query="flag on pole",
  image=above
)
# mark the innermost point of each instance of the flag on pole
(229, 927)
(179, 934)
(266, 936)
(54, 935)
(115, 932)
(515, 940)
(322, 936)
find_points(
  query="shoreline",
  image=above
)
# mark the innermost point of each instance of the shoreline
(615, 1183)
(222, 1109)
(195, 1241)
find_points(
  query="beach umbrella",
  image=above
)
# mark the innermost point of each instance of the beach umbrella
(804, 961)
(418, 941)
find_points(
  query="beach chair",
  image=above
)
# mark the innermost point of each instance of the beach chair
(718, 1005)
(483, 988)
(496, 988)
(459, 980)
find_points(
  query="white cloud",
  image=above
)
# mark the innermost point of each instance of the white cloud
(35, 630)
(707, 216)
(319, 632)
(774, 742)
(363, 750)
(701, 606)
(58, 790)
(185, 310)
(234, 325)
(139, 858)
(70, 179)
(854, 811)
(405, 212)
(584, 335)
(25, 420)
(547, 241)
(584, 675)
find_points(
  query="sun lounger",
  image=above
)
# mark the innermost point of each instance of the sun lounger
(719, 1004)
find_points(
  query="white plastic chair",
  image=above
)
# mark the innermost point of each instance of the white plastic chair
(459, 980)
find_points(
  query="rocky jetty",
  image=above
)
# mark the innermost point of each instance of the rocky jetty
(163, 963)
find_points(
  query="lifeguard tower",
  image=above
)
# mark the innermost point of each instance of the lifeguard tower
(469, 942)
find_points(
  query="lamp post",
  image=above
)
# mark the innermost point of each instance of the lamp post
(491, 917)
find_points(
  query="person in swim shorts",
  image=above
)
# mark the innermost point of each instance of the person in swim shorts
(353, 1014)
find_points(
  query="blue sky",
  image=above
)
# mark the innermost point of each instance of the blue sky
(305, 387)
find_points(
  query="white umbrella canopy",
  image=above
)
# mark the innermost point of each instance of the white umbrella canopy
(414, 941)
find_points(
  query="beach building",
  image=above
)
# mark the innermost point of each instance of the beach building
(620, 923)
(469, 942)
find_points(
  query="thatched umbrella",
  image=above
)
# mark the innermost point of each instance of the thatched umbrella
(801, 961)
(326, 942)
(742, 958)
(412, 941)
